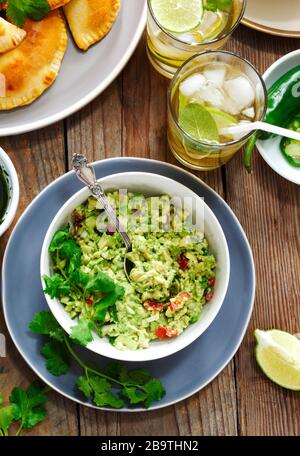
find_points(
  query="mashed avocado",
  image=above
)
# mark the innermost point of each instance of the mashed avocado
(172, 278)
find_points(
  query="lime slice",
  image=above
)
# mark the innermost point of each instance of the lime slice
(178, 15)
(198, 122)
(278, 355)
(212, 24)
(222, 119)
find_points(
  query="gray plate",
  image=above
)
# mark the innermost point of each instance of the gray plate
(83, 75)
(184, 373)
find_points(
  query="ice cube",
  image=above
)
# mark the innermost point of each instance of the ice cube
(192, 85)
(217, 76)
(186, 38)
(210, 94)
(241, 92)
(249, 112)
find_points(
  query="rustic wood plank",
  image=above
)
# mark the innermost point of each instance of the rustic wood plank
(129, 119)
(269, 209)
(39, 159)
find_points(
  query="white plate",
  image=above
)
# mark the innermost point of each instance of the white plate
(83, 75)
(274, 17)
(269, 149)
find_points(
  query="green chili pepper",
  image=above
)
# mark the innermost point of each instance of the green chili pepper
(290, 147)
(283, 104)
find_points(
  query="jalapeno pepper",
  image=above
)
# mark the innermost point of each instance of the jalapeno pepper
(290, 147)
(283, 104)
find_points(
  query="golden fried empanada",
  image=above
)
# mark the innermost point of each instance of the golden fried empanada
(53, 4)
(10, 35)
(32, 67)
(90, 20)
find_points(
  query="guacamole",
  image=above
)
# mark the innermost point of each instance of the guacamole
(172, 278)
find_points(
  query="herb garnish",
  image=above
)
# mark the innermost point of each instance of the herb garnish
(113, 386)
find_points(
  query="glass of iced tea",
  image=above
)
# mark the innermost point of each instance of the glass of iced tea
(210, 93)
(178, 29)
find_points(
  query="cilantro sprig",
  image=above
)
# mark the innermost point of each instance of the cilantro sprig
(70, 280)
(19, 10)
(26, 408)
(113, 386)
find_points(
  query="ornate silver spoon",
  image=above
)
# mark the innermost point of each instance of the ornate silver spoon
(86, 174)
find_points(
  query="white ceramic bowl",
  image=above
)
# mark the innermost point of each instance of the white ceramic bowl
(270, 149)
(150, 185)
(12, 181)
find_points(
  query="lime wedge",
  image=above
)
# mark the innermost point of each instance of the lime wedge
(222, 119)
(198, 122)
(278, 355)
(178, 15)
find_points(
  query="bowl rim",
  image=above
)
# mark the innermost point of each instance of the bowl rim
(14, 193)
(260, 145)
(136, 355)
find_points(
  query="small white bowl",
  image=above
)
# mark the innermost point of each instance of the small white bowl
(12, 181)
(150, 185)
(270, 149)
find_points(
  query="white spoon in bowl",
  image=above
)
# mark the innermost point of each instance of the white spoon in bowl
(245, 128)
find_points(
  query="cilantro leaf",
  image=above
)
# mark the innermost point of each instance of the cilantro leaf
(8, 414)
(84, 386)
(155, 392)
(102, 393)
(117, 371)
(109, 300)
(56, 286)
(59, 237)
(108, 399)
(19, 10)
(139, 376)
(101, 282)
(29, 405)
(82, 332)
(45, 323)
(134, 395)
(57, 357)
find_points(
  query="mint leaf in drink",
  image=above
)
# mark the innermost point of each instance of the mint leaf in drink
(195, 120)
(214, 5)
(82, 332)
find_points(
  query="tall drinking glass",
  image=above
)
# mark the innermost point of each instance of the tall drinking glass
(168, 50)
(211, 92)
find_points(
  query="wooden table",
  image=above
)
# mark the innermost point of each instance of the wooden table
(129, 118)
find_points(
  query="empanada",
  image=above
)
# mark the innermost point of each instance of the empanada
(90, 20)
(32, 67)
(53, 4)
(10, 36)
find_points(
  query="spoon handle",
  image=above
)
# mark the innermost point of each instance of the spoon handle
(86, 173)
(247, 127)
